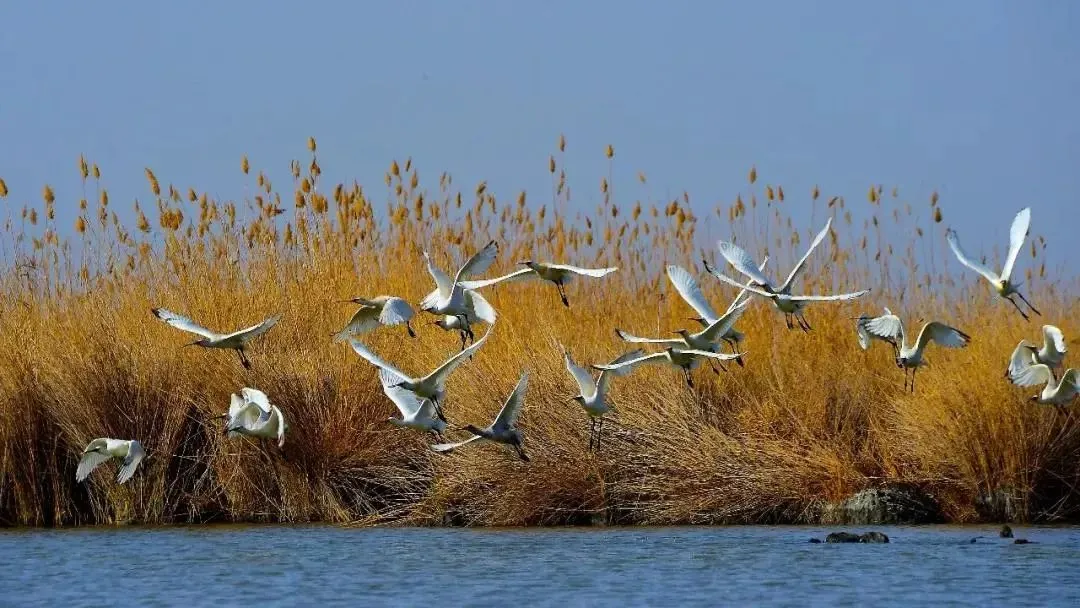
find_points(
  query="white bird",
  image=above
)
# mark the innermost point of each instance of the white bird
(1057, 392)
(684, 358)
(449, 297)
(476, 309)
(416, 412)
(1002, 283)
(707, 339)
(559, 274)
(431, 386)
(252, 414)
(911, 356)
(593, 396)
(210, 339)
(866, 338)
(1052, 352)
(791, 305)
(373, 312)
(105, 448)
(503, 429)
(688, 288)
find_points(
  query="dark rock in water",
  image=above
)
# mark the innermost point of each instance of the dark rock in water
(894, 504)
(848, 537)
(815, 540)
(1022, 541)
(873, 537)
(973, 541)
(1006, 532)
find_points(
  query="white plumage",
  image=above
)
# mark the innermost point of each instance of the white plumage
(1002, 283)
(129, 451)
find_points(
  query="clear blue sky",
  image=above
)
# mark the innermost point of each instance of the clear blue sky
(975, 98)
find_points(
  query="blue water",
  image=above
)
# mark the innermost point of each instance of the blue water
(323, 565)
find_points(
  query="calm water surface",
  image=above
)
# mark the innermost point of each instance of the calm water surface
(308, 565)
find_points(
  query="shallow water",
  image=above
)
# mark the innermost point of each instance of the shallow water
(305, 565)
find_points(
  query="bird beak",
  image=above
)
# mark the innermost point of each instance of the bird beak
(190, 344)
(349, 301)
(523, 263)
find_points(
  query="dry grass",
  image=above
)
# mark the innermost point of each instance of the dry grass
(811, 418)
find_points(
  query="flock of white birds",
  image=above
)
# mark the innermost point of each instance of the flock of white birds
(459, 306)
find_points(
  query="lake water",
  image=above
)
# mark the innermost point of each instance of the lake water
(323, 565)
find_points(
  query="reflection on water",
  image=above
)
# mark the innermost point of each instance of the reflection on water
(305, 565)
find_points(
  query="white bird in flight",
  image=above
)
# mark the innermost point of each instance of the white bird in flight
(130, 451)
(688, 288)
(1055, 392)
(449, 296)
(416, 412)
(476, 309)
(559, 274)
(791, 305)
(1052, 352)
(866, 338)
(252, 414)
(684, 358)
(373, 312)
(431, 386)
(593, 396)
(1002, 283)
(210, 339)
(707, 339)
(504, 429)
(911, 356)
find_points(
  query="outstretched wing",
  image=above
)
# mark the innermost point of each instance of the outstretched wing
(87, 464)
(396, 311)
(838, 297)
(1017, 233)
(711, 355)
(479, 262)
(626, 337)
(517, 275)
(479, 308)
(282, 426)
(797, 270)
(861, 333)
(446, 448)
(444, 370)
(954, 244)
(596, 273)
(1031, 374)
(742, 295)
(627, 366)
(942, 334)
(741, 261)
(407, 402)
(1072, 378)
(723, 325)
(1055, 339)
(131, 462)
(605, 375)
(1021, 358)
(444, 286)
(365, 319)
(374, 359)
(259, 398)
(581, 376)
(508, 415)
(887, 326)
(690, 291)
(184, 323)
(255, 331)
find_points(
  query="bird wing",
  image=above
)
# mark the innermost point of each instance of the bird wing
(861, 333)
(741, 261)
(440, 373)
(954, 244)
(259, 398)
(479, 262)
(1071, 378)
(837, 297)
(511, 409)
(281, 426)
(690, 291)
(517, 275)
(374, 359)
(1021, 357)
(365, 319)
(89, 462)
(632, 338)
(723, 278)
(449, 447)
(396, 310)
(444, 286)
(1031, 374)
(407, 402)
(1055, 339)
(742, 295)
(131, 462)
(480, 308)
(588, 272)
(797, 270)
(942, 334)
(236, 404)
(631, 364)
(581, 376)
(706, 353)
(888, 326)
(606, 375)
(255, 331)
(184, 323)
(721, 326)
(1017, 233)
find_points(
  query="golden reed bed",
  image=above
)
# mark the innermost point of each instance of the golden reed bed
(810, 420)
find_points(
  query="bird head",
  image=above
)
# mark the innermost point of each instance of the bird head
(682, 332)
(441, 323)
(578, 398)
(199, 342)
(1033, 398)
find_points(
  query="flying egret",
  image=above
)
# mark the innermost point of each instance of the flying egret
(431, 386)
(911, 357)
(210, 339)
(252, 414)
(684, 358)
(688, 288)
(1002, 283)
(449, 295)
(593, 396)
(373, 312)
(1055, 392)
(791, 305)
(1052, 352)
(130, 451)
(503, 429)
(559, 274)
(866, 338)
(707, 339)
(416, 412)
(476, 309)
